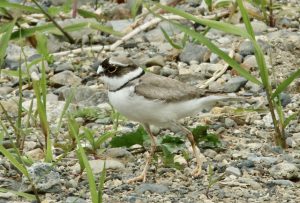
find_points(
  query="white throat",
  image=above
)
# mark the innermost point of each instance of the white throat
(114, 83)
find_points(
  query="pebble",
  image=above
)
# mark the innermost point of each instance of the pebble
(194, 52)
(73, 199)
(234, 84)
(97, 165)
(152, 188)
(285, 170)
(45, 178)
(65, 78)
(233, 171)
(281, 182)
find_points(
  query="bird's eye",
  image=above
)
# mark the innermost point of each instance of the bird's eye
(112, 69)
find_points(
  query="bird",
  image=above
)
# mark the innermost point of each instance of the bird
(154, 100)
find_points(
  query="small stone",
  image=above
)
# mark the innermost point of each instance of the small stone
(291, 142)
(285, 171)
(119, 25)
(233, 171)
(180, 160)
(234, 84)
(45, 178)
(36, 154)
(229, 123)
(65, 78)
(281, 182)
(73, 199)
(63, 67)
(194, 52)
(119, 153)
(153, 188)
(4, 91)
(97, 165)
(285, 99)
(155, 61)
(167, 71)
(210, 153)
(250, 62)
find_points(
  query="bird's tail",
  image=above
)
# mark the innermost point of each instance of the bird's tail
(208, 102)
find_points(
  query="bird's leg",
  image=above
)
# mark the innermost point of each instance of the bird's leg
(142, 176)
(197, 171)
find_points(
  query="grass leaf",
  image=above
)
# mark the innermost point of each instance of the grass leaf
(282, 86)
(29, 197)
(5, 4)
(129, 139)
(4, 40)
(171, 42)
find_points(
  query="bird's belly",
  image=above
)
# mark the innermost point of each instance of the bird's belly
(153, 112)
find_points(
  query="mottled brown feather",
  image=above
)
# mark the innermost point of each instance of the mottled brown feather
(156, 87)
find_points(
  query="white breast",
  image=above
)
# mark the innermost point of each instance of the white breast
(155, 112)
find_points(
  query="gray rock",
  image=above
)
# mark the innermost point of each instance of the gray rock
(97, 165)
(285, 171)
(285, 99)
(13, 52)
(73, 199)
(281, 182)
(233, 171)
(155, 35)
(234, 84)
(63, 67)
(5, 90)
(157, 60)
(250, 62)
(252, 87)
(65, 78)
(84, 96)
(229, 123)
(45, 178)
(255, 185)
(119, 25)
(291, 142)
(194, 52)
(119, 153)
(246, 48)
(153, 188)
(167, 71)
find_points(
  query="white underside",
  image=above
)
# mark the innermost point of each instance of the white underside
(155, 112)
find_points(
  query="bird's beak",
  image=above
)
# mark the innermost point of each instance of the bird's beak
(100, 70)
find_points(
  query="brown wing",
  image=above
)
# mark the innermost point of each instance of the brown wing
(156, 87)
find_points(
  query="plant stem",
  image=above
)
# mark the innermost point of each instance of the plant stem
(279, 136)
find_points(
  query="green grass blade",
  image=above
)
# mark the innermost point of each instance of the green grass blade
(202, 39)
(12, 160)
(225, 27)
(29, 197)
(101, 183)
(89, 172)
(50, 27)
(5, 4)
(171, 42)
(4, 41)
(258, 52)
(246, 19)
(282, 86)
(103, 138)
(290, 118)
(88, 14)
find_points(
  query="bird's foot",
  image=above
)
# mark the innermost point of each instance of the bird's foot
(197, 171)
(141, 177)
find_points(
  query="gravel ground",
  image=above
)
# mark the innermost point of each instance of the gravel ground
(248, 166)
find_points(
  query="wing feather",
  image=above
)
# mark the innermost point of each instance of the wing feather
(156, 87)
